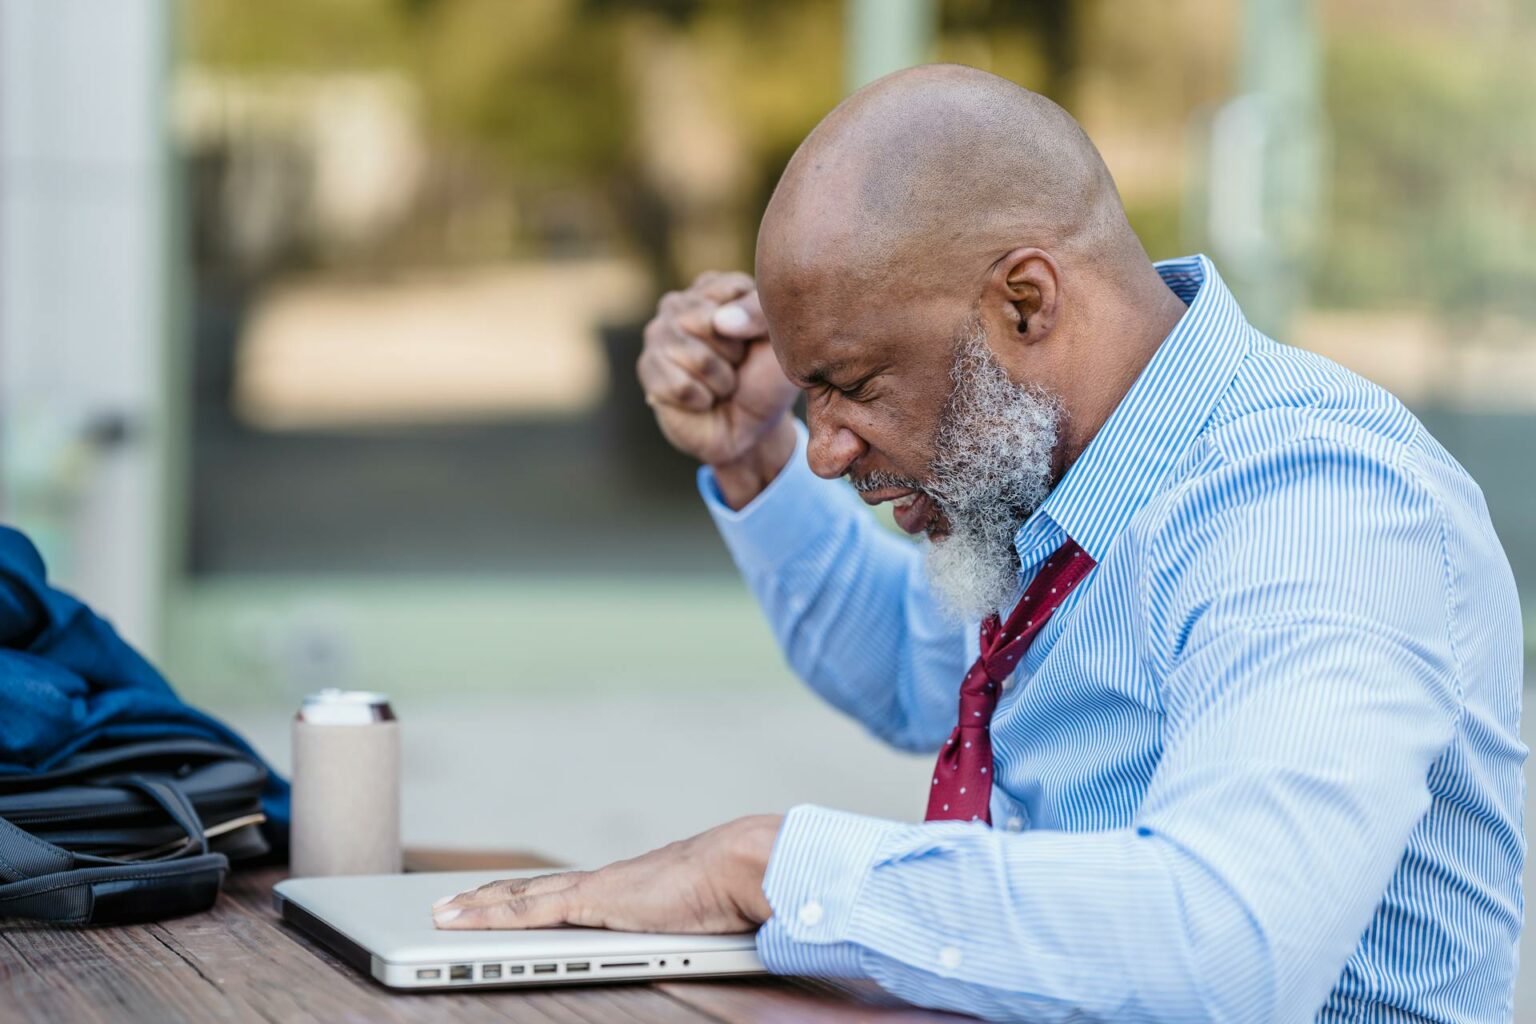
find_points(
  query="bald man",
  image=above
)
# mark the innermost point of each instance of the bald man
(1237, 738)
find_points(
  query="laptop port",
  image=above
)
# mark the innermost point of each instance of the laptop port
(583, 965)
(545, 968)
(428, 973)
(461, 972)
(515, 968)
(490, 970)
(624, 963)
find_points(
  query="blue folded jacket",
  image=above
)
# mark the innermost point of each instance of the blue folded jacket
(67, 680)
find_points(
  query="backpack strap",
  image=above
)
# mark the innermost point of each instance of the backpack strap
(103, 760)
(48, 883)
(120, 893)
(23, 855)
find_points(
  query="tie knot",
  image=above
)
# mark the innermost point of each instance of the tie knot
(979, 692)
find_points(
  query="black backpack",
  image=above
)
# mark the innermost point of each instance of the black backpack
(130, 832)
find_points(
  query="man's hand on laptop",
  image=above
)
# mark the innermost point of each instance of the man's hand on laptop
(715, 384)
(712, 884)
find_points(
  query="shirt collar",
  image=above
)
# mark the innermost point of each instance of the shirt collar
(1155, 423)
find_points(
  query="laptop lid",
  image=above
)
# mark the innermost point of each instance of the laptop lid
(382, 925)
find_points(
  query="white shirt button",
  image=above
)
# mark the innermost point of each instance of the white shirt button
(1008, 682)
(949, 958)
(1014, 824)
(811, 914)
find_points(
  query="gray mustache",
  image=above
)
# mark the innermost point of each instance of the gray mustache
(878, 481)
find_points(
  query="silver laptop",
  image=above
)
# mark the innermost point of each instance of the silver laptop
(382, 925)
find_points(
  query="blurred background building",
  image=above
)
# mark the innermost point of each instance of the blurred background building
(318, 320)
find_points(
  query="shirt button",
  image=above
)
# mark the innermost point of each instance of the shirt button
(811, 914)
(1014, 824)
(1008, 682)
(949, 958)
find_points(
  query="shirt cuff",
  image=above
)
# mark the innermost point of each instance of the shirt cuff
(789, 513)
(815, 874)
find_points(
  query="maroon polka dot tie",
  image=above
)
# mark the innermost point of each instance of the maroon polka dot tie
(962, 781)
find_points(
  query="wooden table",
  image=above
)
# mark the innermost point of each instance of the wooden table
(239, 963)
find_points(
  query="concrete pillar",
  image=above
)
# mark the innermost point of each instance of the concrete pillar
(83, 293)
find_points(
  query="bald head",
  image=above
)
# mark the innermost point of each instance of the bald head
(932, 168)
(947, 272)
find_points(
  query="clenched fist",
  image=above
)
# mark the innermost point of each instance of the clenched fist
(719, 395)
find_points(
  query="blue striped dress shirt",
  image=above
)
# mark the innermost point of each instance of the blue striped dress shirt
(1263, 765)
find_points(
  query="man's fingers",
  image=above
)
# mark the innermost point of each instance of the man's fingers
(507, 888)
(523, 910)
(488, 893)
(722, 285)
(720, 310)
(690, 314)
(699, 322)
(509, 903)
(703, 364)
(667, 383)
(741, 319)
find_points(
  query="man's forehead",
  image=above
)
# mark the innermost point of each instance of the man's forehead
(819, 353)
(821, 371)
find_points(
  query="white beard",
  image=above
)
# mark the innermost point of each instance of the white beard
(991, 469)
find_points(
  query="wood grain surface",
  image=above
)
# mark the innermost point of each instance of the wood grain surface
(238, 962)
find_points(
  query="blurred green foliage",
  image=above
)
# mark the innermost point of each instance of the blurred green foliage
(528, 85)
(1432, 126)
(1434, 176)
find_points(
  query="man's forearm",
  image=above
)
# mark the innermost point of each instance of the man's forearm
(747, 477)
(824, 570)
(1048, 926)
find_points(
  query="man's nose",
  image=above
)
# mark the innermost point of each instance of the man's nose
(832, 448)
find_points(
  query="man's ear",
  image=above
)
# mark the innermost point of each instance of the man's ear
(1024, 289)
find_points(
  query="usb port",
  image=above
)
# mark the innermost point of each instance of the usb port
(461, 972)
(490, 970)
(428, 973)
(545, 968)
(583, 965)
